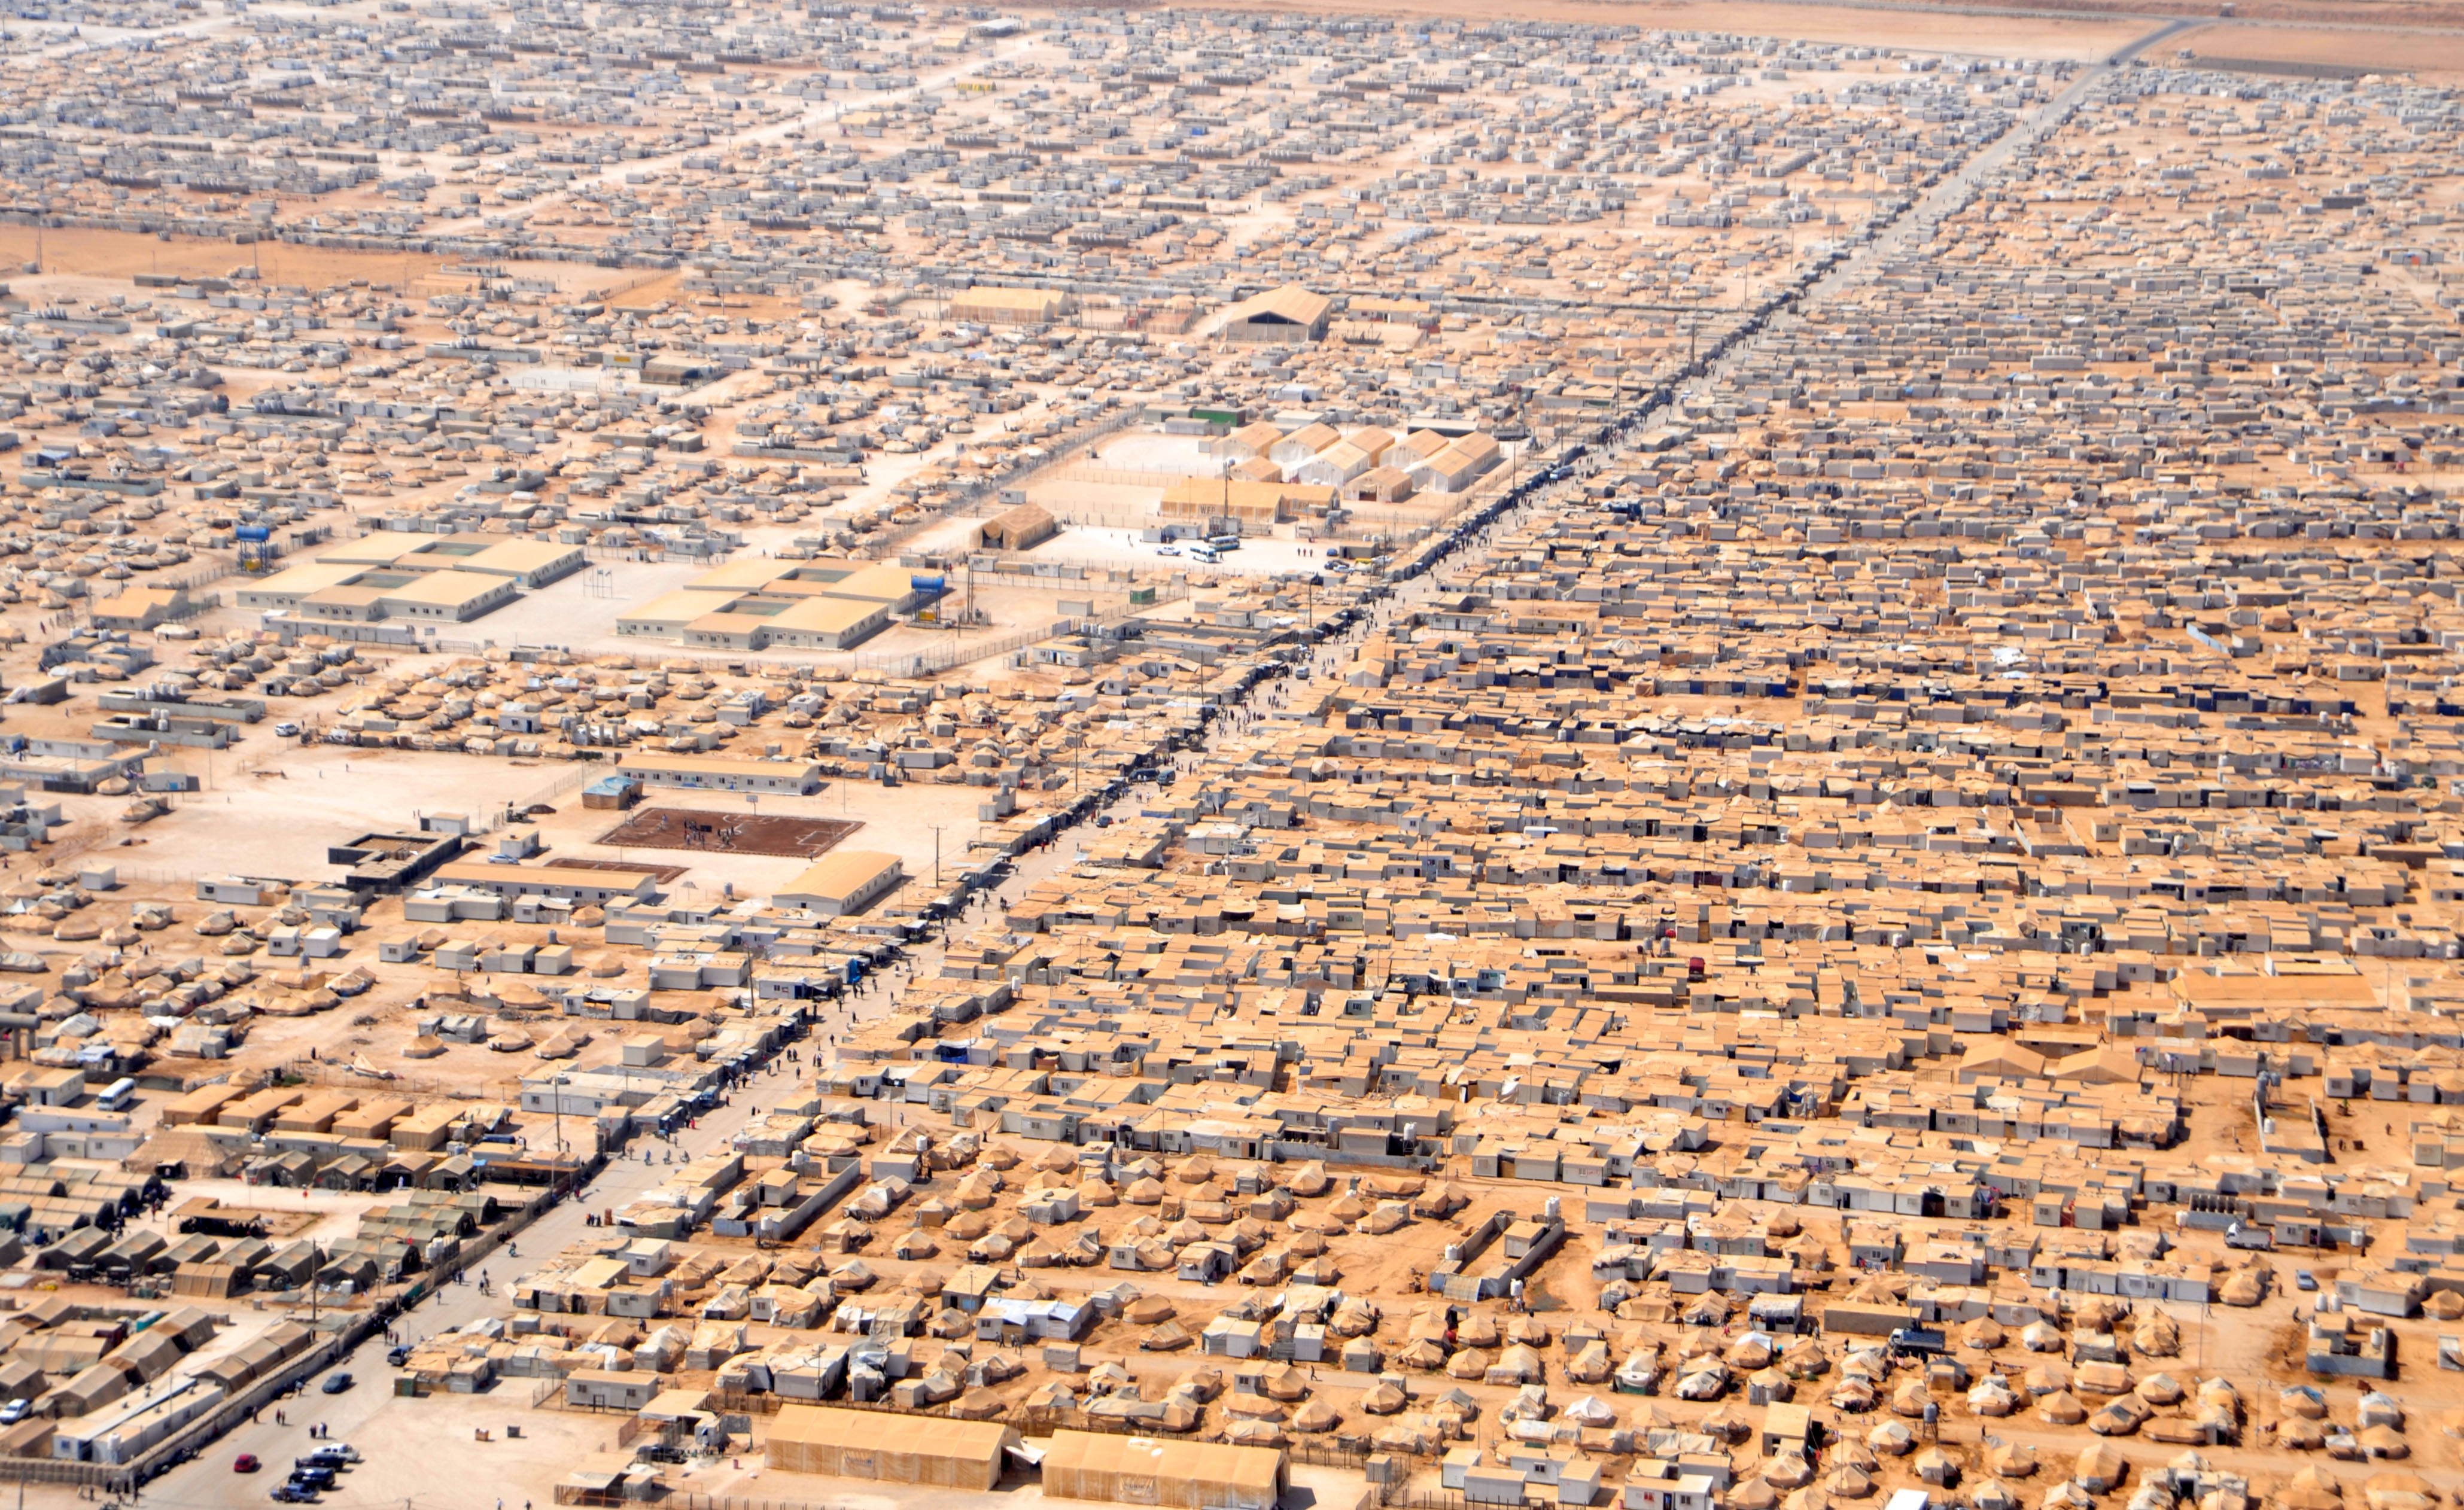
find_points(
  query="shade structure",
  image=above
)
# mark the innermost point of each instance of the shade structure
(1148, 1471)
(889, 1448)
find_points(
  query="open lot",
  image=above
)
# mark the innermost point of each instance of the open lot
(664, 827)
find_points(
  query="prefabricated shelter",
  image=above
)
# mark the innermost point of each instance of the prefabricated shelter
(141, 607)
(590, 887)
(1149, 1471)
(1458, 466)
(890, 1448)
(606, 1390)
(722, 772)
(1250, 441)
(1336, 465)
(1380, 484)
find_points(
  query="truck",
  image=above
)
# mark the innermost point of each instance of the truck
(1920, 1341)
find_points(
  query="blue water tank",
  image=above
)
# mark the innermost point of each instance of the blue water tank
(254, 532)
(929, 585)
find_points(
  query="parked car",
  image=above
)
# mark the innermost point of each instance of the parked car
(286, 730)
(336, 1383)
(246, 1463)
(294, 1495)
(2304, 1280)
(313, 1477)
(396, 1357)
(1167, 550)
(14, 1411)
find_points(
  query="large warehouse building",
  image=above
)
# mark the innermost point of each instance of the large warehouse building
(1151, 1471)
(891, 1449)
(844, 882)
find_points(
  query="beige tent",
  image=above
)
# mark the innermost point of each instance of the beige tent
(1146, 1470)
(1018, 528)
(892, 1448)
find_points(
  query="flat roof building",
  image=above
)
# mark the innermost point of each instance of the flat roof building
(828, 604)
(527, 562)
(351, 593)
(723, 772)
(570, 883)
(843, 881)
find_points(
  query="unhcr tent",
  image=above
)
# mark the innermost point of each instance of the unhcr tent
(889, 1448)
(1179, 1475)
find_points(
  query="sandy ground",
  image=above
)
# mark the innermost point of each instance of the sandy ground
(2429, 55)
(125, 253)
(278, 821)
(281, 824)
(899, 821)
(1122, 547)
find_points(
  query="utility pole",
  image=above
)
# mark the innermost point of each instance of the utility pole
(937, 854)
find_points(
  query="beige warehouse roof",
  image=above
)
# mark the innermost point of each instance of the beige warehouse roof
(1291, 303)
(1088, 1465)
(839, 875)
(892, 1448)
(819, 1426)
(716, 765)
(1040, 303)
(307, 577)
(669, 611)
(830, 614)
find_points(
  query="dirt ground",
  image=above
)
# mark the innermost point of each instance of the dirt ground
(2429, 55)
(125, 253)
(697, 828)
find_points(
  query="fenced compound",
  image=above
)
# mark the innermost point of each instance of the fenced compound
(1096, 472)
(1342, 1452)
(745, 833)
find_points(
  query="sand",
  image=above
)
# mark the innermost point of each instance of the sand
(125, 253)
(2429, 55)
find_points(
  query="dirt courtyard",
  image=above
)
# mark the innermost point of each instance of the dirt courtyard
(729, 833)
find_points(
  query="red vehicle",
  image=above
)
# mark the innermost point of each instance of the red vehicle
(245, 1463)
